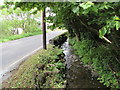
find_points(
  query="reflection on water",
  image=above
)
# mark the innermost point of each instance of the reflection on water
(78, 76)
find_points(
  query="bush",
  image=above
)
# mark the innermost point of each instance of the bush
(102, 59)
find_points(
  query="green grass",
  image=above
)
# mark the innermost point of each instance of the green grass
(14, 37)
(40, 70)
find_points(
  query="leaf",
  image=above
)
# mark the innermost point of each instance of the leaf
(75, 9)
(94, 9)
(86, 5)
(106, 7)
(102, 32)
(117, 25)
(117, 19)
(108, 31)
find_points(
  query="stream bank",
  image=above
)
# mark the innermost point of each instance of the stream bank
(78, 75)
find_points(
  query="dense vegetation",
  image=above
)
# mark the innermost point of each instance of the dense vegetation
(101, 58)
(45, 69)
(11, 19)
(95, 28)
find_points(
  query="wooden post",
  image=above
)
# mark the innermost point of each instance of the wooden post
(44, 29)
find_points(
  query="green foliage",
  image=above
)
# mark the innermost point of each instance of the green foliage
(98, 18)
(102, 32)
(60, 66)
(28, 25)
(72, 41)
(30, 28)
(40, 71)
(10, 20)
(102, 59)
(14, 37)
(96, 15)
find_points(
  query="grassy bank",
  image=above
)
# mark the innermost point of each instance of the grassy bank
(42, 70)
(101, 57)
(14, 37)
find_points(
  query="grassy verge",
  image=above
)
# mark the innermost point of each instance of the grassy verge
(14, 37)
(42, 70)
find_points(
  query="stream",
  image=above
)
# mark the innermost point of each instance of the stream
(77, 74)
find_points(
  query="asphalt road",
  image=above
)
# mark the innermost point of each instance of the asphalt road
(13, 52)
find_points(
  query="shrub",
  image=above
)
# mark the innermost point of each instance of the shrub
(102, 59)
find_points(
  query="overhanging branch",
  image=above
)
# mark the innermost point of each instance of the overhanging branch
(95, 31)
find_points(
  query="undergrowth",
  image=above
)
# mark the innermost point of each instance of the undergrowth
(42, 70)
(101, 57)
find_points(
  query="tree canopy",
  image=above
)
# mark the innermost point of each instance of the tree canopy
(99, 19)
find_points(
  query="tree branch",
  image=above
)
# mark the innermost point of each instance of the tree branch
(95, 31)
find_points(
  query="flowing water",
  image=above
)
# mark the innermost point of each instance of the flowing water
(77, 74)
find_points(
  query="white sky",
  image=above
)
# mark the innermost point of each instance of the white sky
(1, 2)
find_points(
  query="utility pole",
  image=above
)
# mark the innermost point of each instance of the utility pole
(44, 29)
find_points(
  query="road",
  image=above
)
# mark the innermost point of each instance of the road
(14, 52)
